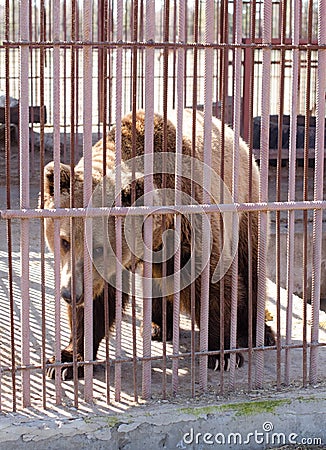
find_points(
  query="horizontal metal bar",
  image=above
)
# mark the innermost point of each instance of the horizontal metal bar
(99, 362)
(145, 210)
(161, 45)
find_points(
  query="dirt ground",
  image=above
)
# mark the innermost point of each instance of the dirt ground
(100, 383)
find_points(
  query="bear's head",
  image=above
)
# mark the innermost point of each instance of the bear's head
(71, 245)
(104, 230)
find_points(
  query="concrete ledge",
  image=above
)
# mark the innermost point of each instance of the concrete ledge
(296, 420)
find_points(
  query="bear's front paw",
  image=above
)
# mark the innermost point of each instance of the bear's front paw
(67, 373)
(270, 339)
(214, 362)
(157, 332)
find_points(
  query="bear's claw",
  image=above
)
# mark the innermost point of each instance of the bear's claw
(270, 339)
(157, 332)
(67, 373)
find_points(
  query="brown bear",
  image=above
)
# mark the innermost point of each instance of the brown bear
(188, 189)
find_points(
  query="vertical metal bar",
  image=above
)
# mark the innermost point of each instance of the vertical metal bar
(24, 195)
(318, 191)
(65, 83)
(263, 191)
(87, 152)
(42, 224)
(133, 193)
(104, 114)
(291, 192)
(247, 84)
(73, 92)
(148, 189)
(205, 276)
(185, 39)
(235, 183)
(193, 152)
(118, 221)
(174, 54)
(223, 89)
(8, 204)
(56, 157)
(278, 199)
(250, 189)
(101, 27)
(141, 55)
(77, 61)
(165, 149)
(178, 171)
(305, 197)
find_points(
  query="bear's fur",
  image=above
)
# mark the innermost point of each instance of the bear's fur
(77, 240)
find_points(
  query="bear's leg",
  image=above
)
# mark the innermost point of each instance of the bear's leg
(99, 315)
(157, 319)
(157, 309)
(67, 352)
(214, 322)
(243, 266)
(269, 336)
(98, 331)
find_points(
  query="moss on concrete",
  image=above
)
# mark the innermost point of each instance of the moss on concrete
(241, 409)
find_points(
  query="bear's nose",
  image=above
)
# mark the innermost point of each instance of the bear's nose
(66, 294)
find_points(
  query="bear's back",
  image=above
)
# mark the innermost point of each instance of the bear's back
(169, 141)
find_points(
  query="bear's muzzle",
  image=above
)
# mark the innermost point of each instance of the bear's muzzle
(66, 295)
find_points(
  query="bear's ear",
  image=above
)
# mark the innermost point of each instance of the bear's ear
(49, 178)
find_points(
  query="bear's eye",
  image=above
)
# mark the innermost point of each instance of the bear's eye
(98, 252)
(65, 245)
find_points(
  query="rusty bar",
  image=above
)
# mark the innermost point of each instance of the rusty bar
(133, 193)
(291, 191)
(193, 152)
(87, 153)
(223, 92)
(318, 192)
(154, 358)
(118, 223)
(31, 79)
(185, 39)
(251, 82)
(64, 95)
(24, 195)
(101, 37)
(272, 45)
(56, 157)
(235, 184)
(164, 149)
(73, 92)
(180, 85)
(206, 183)
(104, 115)
(305, 197)
(263, 192)
(182, 209)
(278, 198)
(175, 28)
(77, 64)
(148, 190)
(42, 222)
(8, 204)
